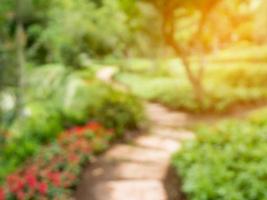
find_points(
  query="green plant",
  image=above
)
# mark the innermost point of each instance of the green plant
(40, 124)
(41, 121)
(95, 100)
(226, 161)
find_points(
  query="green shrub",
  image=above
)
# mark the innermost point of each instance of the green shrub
(15, 152)
(118, 111)
(227, 161)
(239, 74)
(76, 97)
(41, 121)
(45, 81)
(40, 124)
(100, 102)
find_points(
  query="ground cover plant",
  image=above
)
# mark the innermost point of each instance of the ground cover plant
(226, 161)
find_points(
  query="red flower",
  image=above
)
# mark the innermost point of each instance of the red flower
(93, 126)
(2, 194)
(32, 181)
(32, 170)
(55, 178)
(43, 188)
(72, 158)
(15, 183)
(12, 179)
(20, 195)
(20, 185)
(78, 129)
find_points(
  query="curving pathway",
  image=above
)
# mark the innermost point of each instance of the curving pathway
(141, 170)
(138, 170)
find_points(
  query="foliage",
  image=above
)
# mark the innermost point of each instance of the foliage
(119, 111)
(226, 161)
(50, 33)
(49, 79)
(40, 124)
(75, 97)
(94, 37)
(115, 109)
(241, 52)
(63, 100)
(227, 84)
(41, 121)
(55, 170)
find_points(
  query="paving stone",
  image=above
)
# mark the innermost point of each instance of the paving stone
(137, 154)
(127, 172)
(152, 108)
(158, 115)
(104, 170)
(172, 133)
(130, 190)
(171, 120)
(157, 142)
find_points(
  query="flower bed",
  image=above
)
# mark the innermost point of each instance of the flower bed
(54, 172)
(44, 119)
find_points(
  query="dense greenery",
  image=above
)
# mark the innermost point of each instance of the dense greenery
(67, 31)
(42, 92)
(226, 161)
(197, 56)
(227, 84)
(60, 103)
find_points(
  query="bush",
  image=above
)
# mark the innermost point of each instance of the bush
(227, 161)
(239, 74)
(41, 120)
(48, 78)
(40, 124)
(100, 102)
(118, 111)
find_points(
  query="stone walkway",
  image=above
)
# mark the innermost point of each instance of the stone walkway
(137, 171)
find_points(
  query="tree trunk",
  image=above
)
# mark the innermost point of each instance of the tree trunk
(196, 80)
(20, 57)
(168, 31)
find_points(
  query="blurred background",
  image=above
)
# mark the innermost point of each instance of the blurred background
(198, 56)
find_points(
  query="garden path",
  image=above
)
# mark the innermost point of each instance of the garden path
(138, 170)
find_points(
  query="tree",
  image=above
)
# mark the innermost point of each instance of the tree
(36, 32)
(81, 29)
(16, 17)
(194, 14)
(189, 28)
(20, 54)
